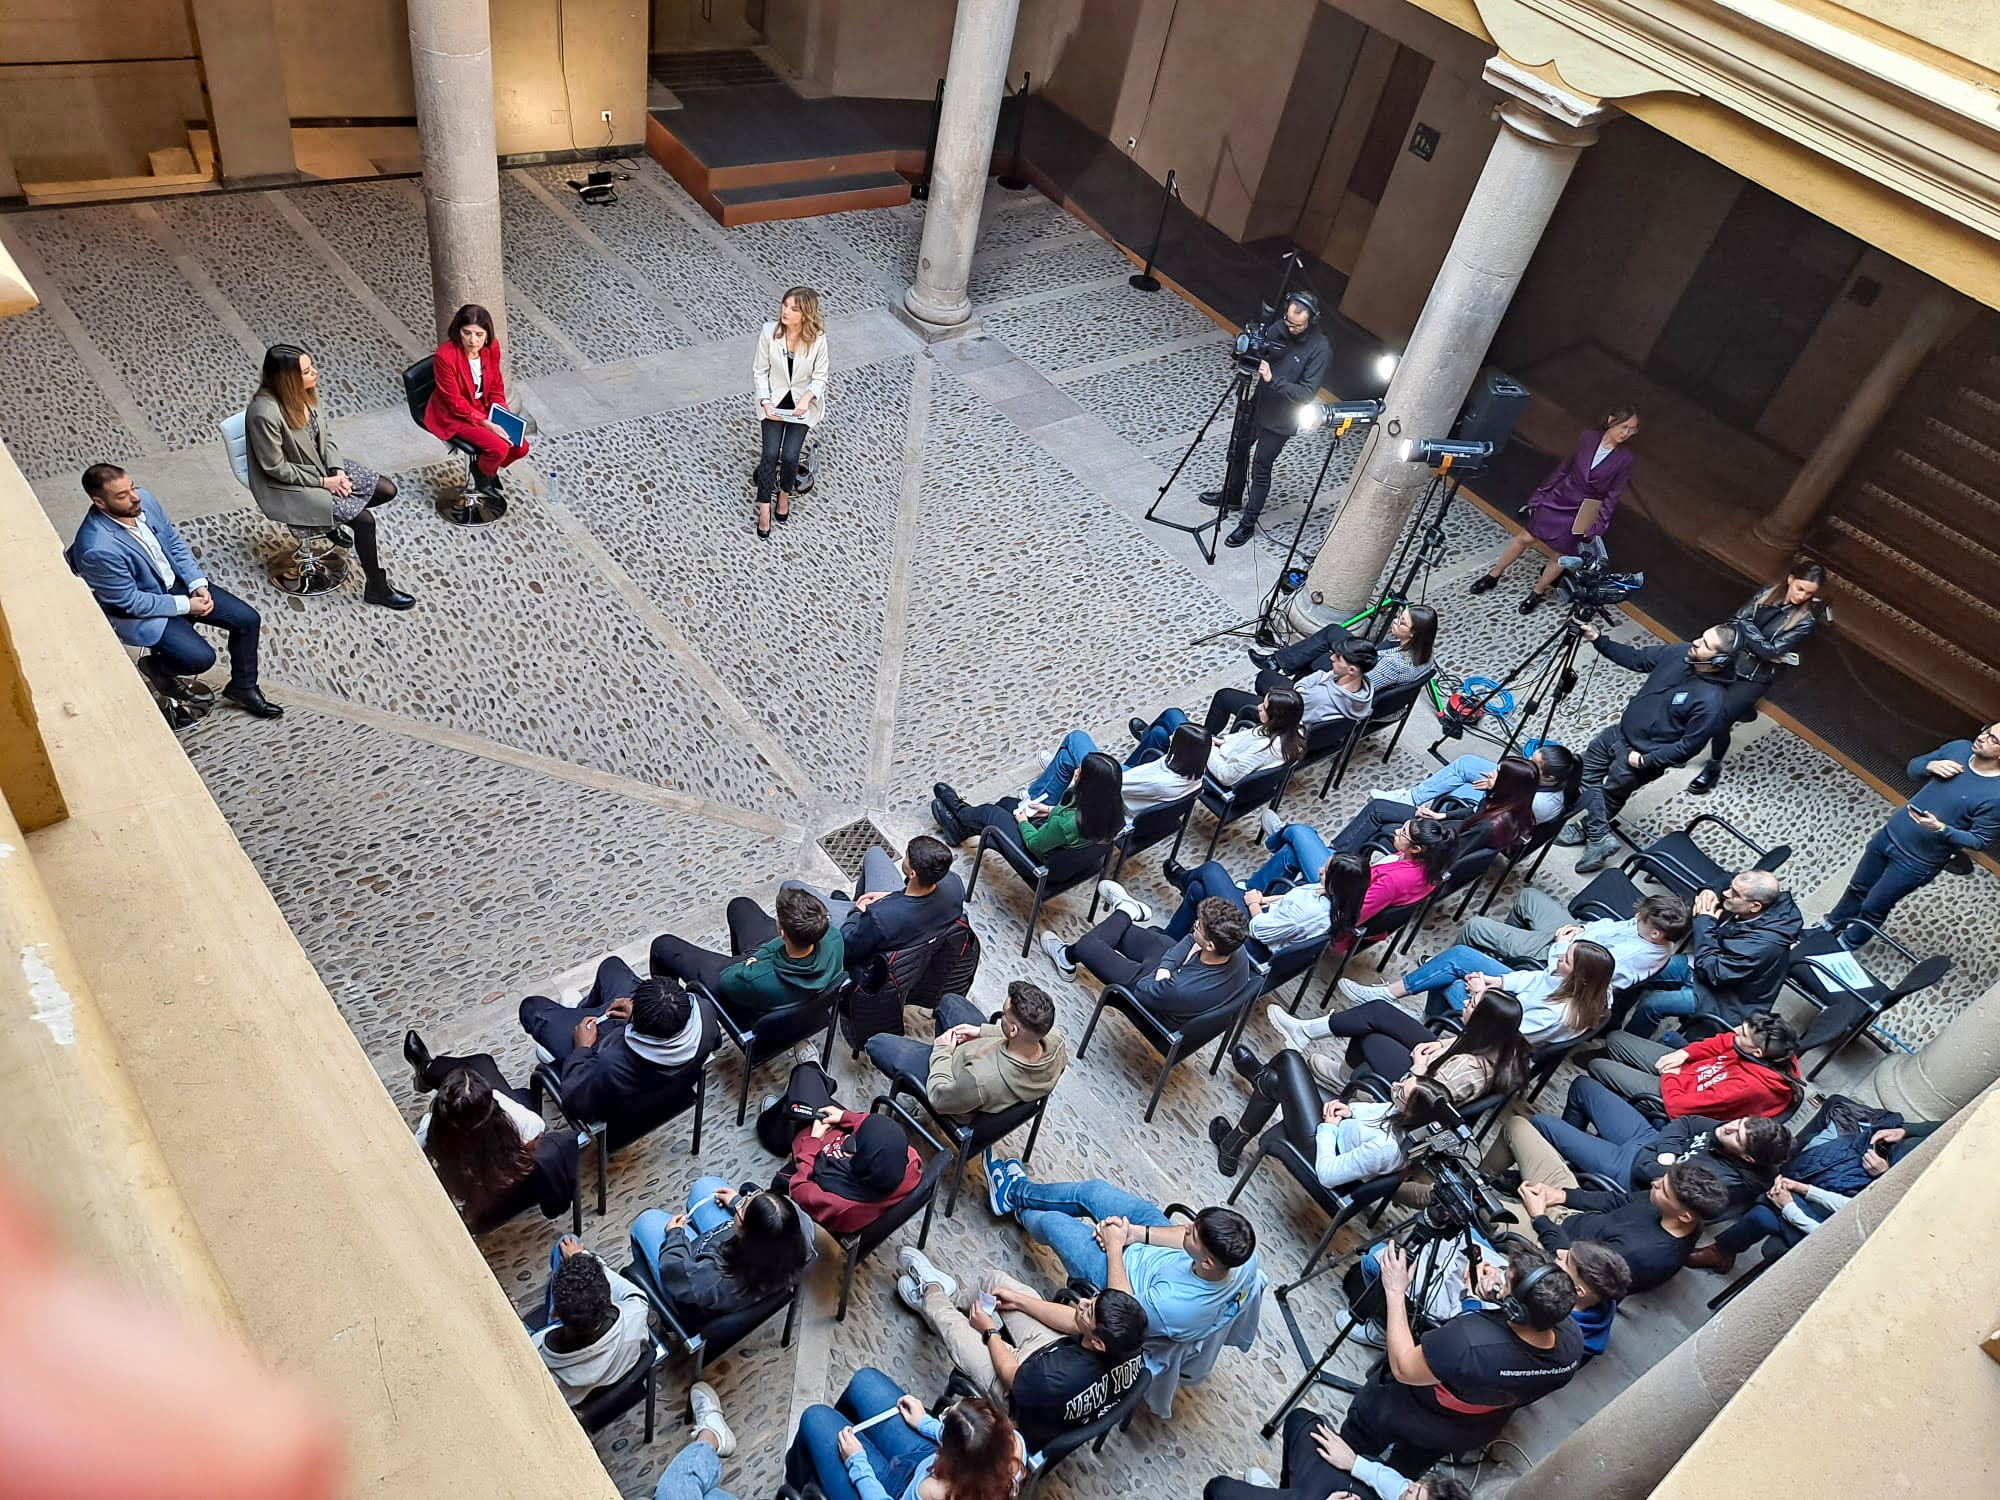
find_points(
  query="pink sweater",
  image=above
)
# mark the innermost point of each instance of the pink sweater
(1394, 882)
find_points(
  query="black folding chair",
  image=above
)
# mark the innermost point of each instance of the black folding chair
(638, 1121)
(761, 1036)
(1466, 872)
(1174, 1040)
(724, 1333)
(1328, 743)
(1340, 1206)
(1675, 861)
(1065, 870)
(1844, 1013)
(1228, 803)
(1151, 828)
(607, 1404)
(862, 1243)
(1531, 853)
(1381, 927)
(1116, 1418)
(1392, 707)
(1294, 961)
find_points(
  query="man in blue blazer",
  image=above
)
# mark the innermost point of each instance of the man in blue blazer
(147, 582)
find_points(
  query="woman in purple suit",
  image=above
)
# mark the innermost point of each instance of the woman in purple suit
(1573, 503)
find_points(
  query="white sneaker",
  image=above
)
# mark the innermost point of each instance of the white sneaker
(1270, 822)
(1123, 900)
(1371, 1333)
(1045, 756)
(1056, 950)
(806, 1052)
(707, 1409)
(914, 1264)
(1361, 994)
(1289, 1026)
(571, 997)
(1260, 1479)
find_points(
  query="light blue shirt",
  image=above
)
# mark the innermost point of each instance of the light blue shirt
(1179, 1304)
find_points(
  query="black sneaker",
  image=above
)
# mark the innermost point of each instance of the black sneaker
(1706, 778)
(1263, 661)
(1239, 536)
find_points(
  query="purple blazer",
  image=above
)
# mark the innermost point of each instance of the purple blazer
(1574, 481)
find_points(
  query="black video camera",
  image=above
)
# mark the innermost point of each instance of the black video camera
(1257, 343)
(1588, 584)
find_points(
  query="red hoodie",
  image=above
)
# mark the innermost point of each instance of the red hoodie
(833, 1213)
(1718, 1081)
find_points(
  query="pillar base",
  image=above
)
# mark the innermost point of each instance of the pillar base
(936, 333)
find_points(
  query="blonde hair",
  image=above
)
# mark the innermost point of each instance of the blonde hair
(284, 379)
(810, 325)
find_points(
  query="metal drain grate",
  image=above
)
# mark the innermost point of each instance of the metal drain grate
(848, 844)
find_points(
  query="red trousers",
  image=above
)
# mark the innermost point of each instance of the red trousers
(495, 452)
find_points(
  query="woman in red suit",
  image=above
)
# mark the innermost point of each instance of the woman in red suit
(1573, 503)
(469, 386)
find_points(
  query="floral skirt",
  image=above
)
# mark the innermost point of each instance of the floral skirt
(347, 507)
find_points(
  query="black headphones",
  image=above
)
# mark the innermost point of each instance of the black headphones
(1309, 301)
(1514, 1306)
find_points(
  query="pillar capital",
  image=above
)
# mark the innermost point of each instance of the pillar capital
(1542, 109)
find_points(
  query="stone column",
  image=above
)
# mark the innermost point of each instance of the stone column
(1524, 175)
(974, 82)
(248, 118)
(1949, 1070)
(451, 59)
(1793, 516)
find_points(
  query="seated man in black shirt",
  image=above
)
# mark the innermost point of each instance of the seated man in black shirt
(1319, 1465)
(1050, 1382)
(1655, 1230)
(626, 1045)
(1454, 1389)
(1172, 979)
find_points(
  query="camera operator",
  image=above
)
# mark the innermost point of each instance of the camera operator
(1290, 370)
(1665, 723)
(1769, 628)
(1454, 1389)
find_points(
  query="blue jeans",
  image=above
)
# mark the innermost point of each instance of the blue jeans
(185, 654)
(1885, 876)
(1298, 854)
(906, 1054)
(1759, 1223)
(695, 1474)
(1454, 780)
(649, 1230)
(1675, 997)
(1443, 978)
(895, 1449)
(1055, 1213)
(1061, 770)
(1153, 743)
(1204, 881)
(1621, 1131)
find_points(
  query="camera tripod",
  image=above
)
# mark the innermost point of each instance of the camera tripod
(1554, 681)
(1236, 467)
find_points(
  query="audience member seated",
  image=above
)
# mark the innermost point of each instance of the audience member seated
(1054, 1366)
(1453, 1390)
(1317, 1465)
(1346, 1143)
(1421, 852)
(626, 1043)
(727, 1250)
(846, 1169)
(1744, 1154)
(971, 1452)
(1855, 1146)
(1490, 1056)
(1562, 1003)
(486, 1141)
(1205, 969)
(695, 1473)
(1092, 811)
(901, 903)
(1404, 657)
(1342, 690)
(1194, 1280)
(1654, 1230)
(978, 1067)
(1468, 779)
(1752, 1070)
(1165, 779)
(771, 965)
(1736, 961)
(1296, 912)
(1272, 740)
(1502, 819)
(1640, 946)
(1603, 1280)
(597, 1322)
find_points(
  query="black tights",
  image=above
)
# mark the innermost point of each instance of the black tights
(1288, 1083)
(1384, 1034)
(366, 549)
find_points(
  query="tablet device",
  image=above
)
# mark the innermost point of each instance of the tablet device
(507, 422)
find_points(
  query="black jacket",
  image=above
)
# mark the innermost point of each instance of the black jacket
(1296, 376)
(1678, 710)
(613, 1084)
(1739, 963)
(1761, 649)
(899, 920)
(1694, 1136)
(1629, 1224)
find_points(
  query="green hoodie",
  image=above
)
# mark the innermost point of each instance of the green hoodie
(771, 979)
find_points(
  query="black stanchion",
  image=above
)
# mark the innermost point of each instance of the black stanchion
(1146, 281)
(1013, 181)
(922, 188)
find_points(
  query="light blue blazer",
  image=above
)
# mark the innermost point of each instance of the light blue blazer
(112, 562)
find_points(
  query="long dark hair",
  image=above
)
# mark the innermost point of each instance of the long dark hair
(283, 378)
(1284, 712)
(1098, 796)
(1804, 572)
(1345, 881)
(1565, 769)
(469, 316)
(1424, 1103)
(473, 1146)
(1187, 751)
(1493, 1035)
(1508, 813)
(1436, 846)
(1423, 633)
(1585, 993)
(978, 1456)
(768, 1250)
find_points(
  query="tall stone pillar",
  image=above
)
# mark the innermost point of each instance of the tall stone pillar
(975, 80)
(1793, 516)
(1949, 1070)
(244, 77)
(1524, 175)
(451, 59)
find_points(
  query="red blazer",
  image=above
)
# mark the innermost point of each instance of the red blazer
(452, 404)
(831, 1212)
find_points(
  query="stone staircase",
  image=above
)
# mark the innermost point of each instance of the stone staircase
(1913, 532)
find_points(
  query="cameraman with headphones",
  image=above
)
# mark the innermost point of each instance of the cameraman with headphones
(1289, 378)
(1453, 1390)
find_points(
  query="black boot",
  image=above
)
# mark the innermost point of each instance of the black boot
(381, 591)
(418, 1056)
(250, 698)
(1248, 1065)
(1706, 778)
(1229, 1144)
(1239, 536)
(1485, 583)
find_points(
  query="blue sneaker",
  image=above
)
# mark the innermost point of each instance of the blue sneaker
(1002, 1172)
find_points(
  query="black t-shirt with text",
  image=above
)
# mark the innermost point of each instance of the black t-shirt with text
(1481, 1363)
(1067, 1386)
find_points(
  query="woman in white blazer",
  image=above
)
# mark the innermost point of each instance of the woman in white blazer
(790, 373)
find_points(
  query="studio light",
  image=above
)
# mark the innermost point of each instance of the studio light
(1314, 415)
(1443, 453)
(1385, 367)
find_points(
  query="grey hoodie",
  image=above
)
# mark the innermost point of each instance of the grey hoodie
(581, 1371)
(982, 1076)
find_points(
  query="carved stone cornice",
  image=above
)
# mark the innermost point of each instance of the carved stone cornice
(1929, 134)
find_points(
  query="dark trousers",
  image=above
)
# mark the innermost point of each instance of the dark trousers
(1118, 951)
(1306, 1476)
(1313, 654)
(1230, 704)
(443, 1065)
(1760, 1222)
(1285, 1084)
(1609, 780)
(1384, 1032)
(553, 1024)
(1264, 451)
(1370, 1426)
(778, 468)
(1739, 706)
(1372, 826)
(750, 927)
(1885, 876)
(181, 652)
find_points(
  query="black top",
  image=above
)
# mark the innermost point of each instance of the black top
(1691, 1137)
(1067, 1386)
(899, 920)
(1629, 1224)
(1739, 963)
(1677, 711)
(1485, 1373)
(613, 1084)
(1296, 376)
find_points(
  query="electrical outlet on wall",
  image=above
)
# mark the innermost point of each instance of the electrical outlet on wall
(605, 116)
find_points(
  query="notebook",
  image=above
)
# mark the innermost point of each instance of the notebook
(507, 422)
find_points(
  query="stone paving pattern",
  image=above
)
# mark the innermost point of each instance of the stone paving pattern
(616, 709)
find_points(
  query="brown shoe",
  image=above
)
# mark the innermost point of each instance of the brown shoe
(1713, 1258)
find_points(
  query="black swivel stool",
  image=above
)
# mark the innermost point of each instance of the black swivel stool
(470, 508)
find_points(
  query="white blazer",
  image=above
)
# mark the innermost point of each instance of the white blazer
(808, 373)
